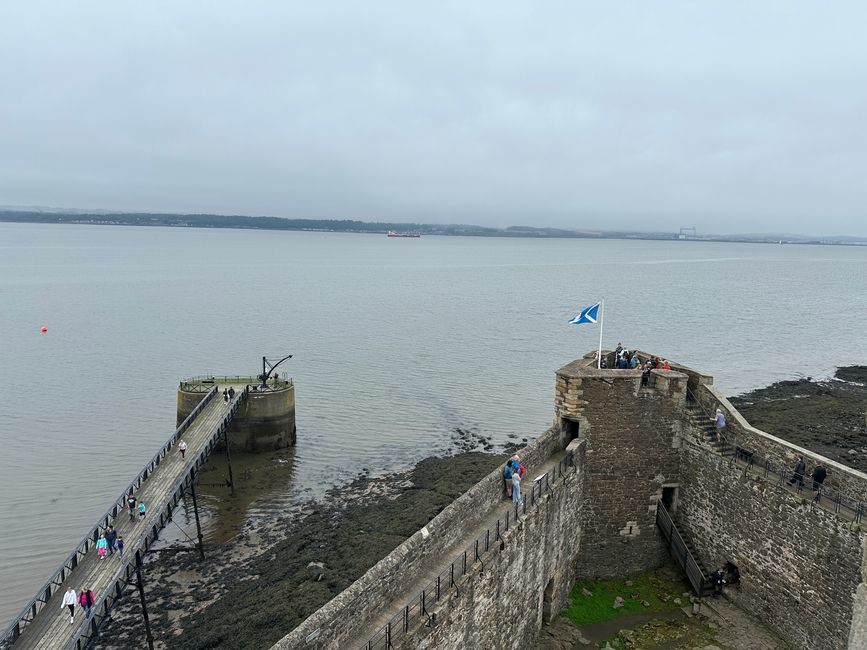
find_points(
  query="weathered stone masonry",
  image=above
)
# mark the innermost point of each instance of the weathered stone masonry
(633, 439)
(803, 569)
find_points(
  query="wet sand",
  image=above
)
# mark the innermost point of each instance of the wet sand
(826, 416)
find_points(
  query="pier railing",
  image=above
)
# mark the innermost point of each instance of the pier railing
(55, 582)
(440, 587)
(203, 383)
(124, 575)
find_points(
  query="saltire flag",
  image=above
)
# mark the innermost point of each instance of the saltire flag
(587, 315)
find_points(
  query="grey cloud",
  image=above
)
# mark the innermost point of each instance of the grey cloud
(733, 117)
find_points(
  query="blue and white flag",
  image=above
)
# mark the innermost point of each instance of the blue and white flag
(587, 315)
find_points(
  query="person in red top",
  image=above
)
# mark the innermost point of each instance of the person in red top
(86, 600)
(665, 365)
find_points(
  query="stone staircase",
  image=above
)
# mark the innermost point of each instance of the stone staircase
(702, 423)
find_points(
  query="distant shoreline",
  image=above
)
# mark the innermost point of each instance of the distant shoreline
(367, 227)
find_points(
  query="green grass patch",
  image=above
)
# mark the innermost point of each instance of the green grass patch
(658, 589)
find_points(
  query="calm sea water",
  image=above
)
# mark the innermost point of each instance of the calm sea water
(397, 343)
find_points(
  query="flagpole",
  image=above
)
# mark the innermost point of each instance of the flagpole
(601, 323)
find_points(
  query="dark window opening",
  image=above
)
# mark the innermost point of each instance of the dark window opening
(572, 429)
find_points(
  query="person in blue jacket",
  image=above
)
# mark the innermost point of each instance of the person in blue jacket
(507, 475)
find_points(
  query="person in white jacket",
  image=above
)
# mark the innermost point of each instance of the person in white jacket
(69, 601)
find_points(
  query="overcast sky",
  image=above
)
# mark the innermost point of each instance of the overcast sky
(729, 116)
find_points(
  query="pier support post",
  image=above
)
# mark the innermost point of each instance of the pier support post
(228, 458)
(144, 606)
(196, 512)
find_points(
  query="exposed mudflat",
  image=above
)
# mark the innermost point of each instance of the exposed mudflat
(825, 416)
(253, 590)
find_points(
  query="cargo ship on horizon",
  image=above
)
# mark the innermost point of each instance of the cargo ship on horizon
(395, 233)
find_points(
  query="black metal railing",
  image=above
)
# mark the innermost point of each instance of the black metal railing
(447, 581)
(47, 590)
(700, 583)
(105, 602)
(776, 474)
(204, 383)
(781, 476)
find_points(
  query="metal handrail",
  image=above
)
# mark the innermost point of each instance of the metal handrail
(43, 595)
(399, 624)
(680, 550)
(203, 383)
(750, 460)
(764, 467)
(140, 544)
(691, 397)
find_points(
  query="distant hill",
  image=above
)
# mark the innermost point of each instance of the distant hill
(99, 217)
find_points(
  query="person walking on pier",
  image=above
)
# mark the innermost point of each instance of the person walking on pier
(119, 545)
(141, 510)
(183, 449)
(101, 545)
(69, 600)
(86, 600)
(130, 503)
(111, 539)
(226, 395)
(232, 393)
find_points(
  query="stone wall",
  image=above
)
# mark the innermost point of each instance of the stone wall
(519, 585)
(800, 566)
(850, 482)
(803, 569)
(633, 437)
(350, 614)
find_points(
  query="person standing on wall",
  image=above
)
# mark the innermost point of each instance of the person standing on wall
(645, 373)
(507, 477)
(798, 474)
(516, 487)
(818, 476)
(69, 601)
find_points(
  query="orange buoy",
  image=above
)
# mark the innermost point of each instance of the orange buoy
(44, 329)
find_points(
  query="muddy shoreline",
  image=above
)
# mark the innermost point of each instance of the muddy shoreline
(254, 589)
(826, 416)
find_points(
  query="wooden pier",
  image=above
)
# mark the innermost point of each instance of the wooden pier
(163, 482)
